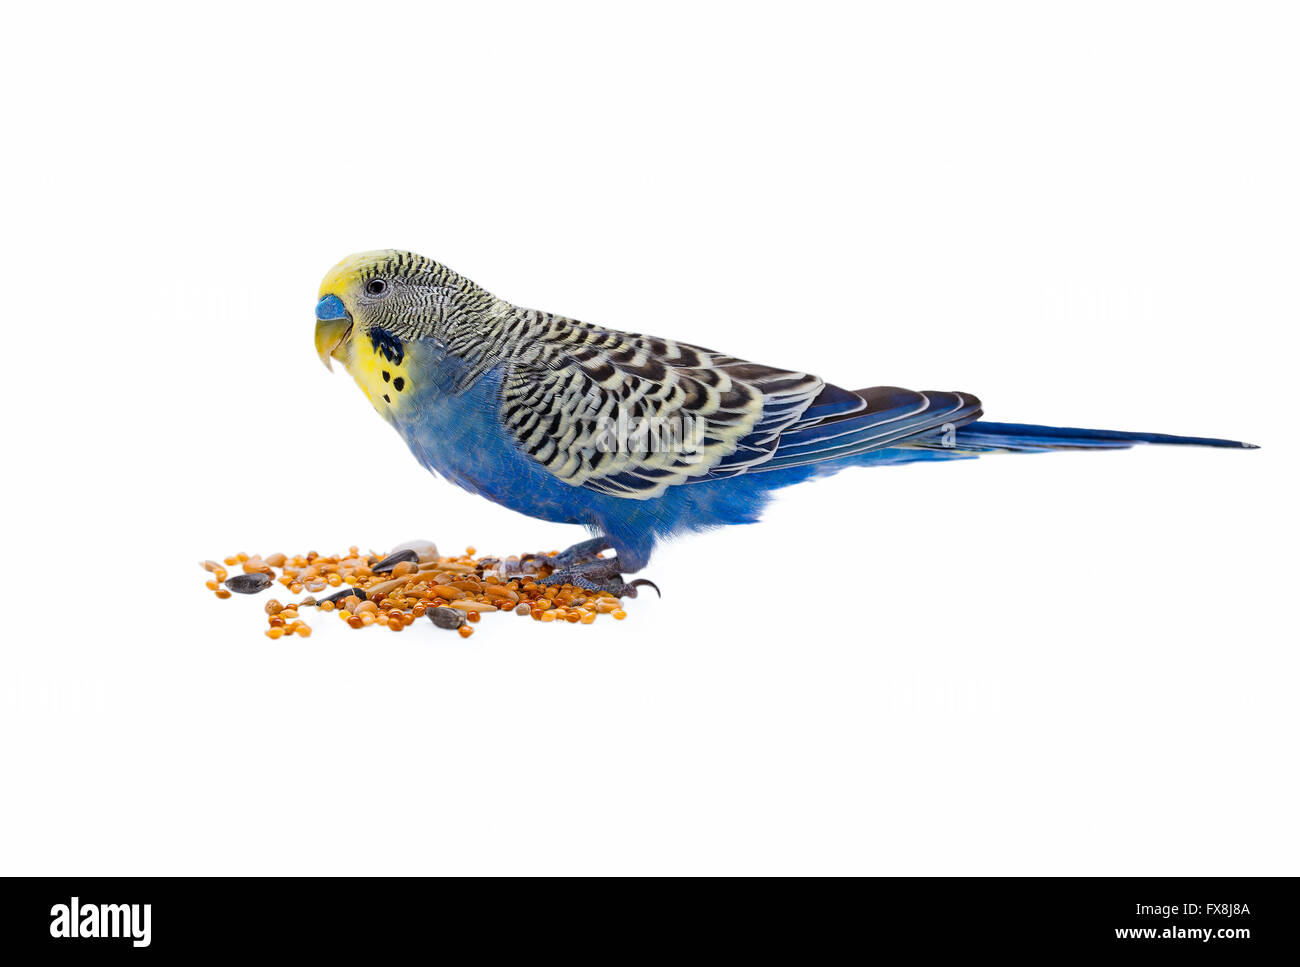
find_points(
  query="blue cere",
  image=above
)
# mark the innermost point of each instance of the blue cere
(330, 307)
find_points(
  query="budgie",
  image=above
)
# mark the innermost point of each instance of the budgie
(637, 438)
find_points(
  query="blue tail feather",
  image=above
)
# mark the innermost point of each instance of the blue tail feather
(981, 435)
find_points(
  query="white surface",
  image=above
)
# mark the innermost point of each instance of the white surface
(1060, 664)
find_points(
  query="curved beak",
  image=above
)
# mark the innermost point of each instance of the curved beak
(333, 323)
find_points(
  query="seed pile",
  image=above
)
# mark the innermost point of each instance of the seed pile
(413, 581)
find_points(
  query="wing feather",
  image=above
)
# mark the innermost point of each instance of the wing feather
(577, 410)
(632, 415)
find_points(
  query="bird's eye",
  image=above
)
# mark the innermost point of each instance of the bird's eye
(376, 287)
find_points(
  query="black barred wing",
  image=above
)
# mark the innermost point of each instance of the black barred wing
(632, 415)
(845, 423)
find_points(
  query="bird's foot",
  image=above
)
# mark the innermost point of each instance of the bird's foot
(600, 574)
(579, 553)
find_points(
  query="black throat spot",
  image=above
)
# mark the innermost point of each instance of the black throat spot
(387, 344)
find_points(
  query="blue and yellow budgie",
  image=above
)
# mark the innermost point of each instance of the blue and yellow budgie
(637, 438)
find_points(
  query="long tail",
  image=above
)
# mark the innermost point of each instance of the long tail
(890, 425)
(984, 437)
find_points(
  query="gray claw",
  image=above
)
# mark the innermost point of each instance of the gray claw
(630, 589)
(614, 584)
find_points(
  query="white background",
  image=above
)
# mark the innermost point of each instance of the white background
(1067, 664)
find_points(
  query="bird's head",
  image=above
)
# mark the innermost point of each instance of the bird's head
(397, 294)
